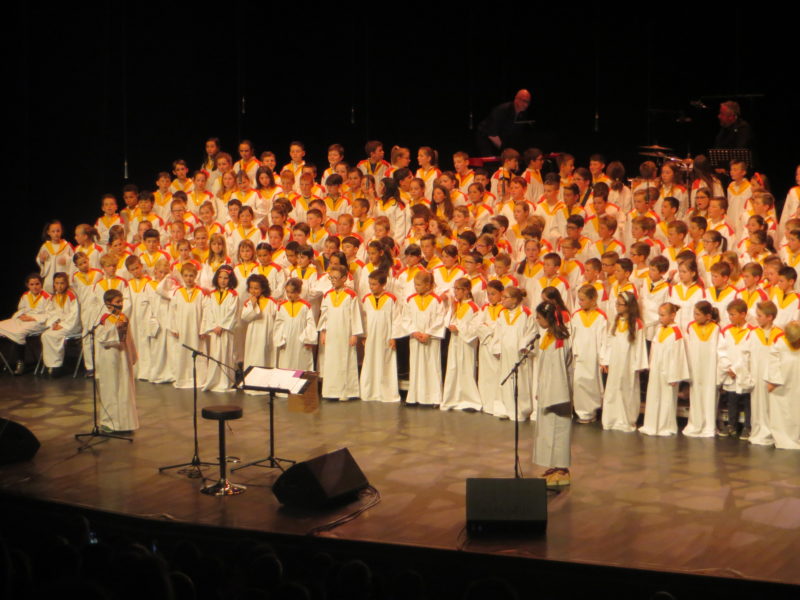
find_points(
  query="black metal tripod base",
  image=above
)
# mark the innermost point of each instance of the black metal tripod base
(96, 433)
(272, 462)
(191, 469)
(223, 488)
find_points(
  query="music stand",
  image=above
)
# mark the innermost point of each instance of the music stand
(722, 157)
(267, 380)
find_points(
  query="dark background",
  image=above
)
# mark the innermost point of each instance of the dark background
(92, 87)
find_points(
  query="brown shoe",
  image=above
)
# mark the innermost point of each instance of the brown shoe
(557, 478)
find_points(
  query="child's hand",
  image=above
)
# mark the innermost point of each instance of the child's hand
(26, 318)
(731, 373)
(604, 368)
(217, 330)
(353, 340)
(174, 334)
(392, 344)
(322, 338)
(771, 387)
(43, 256)
(453, 328)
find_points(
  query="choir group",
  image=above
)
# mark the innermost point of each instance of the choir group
(661, 281)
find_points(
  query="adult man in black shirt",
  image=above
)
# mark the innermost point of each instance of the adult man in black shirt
(499, 129)
(734, 131)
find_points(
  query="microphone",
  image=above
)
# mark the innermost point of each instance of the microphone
(532, 343)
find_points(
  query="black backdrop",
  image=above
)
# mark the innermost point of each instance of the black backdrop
(93, 86)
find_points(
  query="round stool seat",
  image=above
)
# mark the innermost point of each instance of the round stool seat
(222, 412)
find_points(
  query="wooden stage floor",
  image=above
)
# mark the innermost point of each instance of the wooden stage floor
(701, 506)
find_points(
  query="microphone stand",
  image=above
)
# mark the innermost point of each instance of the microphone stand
(193, 470)
(514, 372)
(96, 432)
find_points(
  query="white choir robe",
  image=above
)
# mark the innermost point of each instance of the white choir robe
(382, 322)
(734, 356)
(489, 361)
(686, 297)
(162, 345)
(720, 299)
(185, 320)
(784, 409)
(790, 206)
(624, 359)
(295, 330)
(552, 429)
(36, 307)
(702, 351)
(668, 367)
(514, 330)
(64, 310)
(259, 320)
(788, 307)
(276, 277)
(141, 294)
(425, 314)
(115, 358)
(221, 309)
(58, 260)
(460, 387)
(340, 319)
(760, 349)
(589, 337)
(83, 286)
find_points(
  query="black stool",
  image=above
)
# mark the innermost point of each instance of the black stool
(222, 414)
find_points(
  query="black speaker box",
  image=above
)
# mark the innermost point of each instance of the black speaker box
(329, 479)
(506, 506)
(17, 442)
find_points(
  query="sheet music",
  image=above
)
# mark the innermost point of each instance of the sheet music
(282, 379)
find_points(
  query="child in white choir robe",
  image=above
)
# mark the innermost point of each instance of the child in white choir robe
(589, 337)
(220, 314)
(702, 343)
(63, 321)
(529, 269)
(162, 345)
(553, 426)
(83, 280)
(29, 319)
(734, 368)
(185, 321)
(445, 276)
(551, 264)
(751, 291)
(55, 255)
(86, 241)
(295, 330)
(515, 329)
(625, 357)
(687, 292)
(655, 291)
(424, 320)
(668, 367)
(382, 314)
(785, 298)
(258, 315)
(339, 326)
(720, 293)
(762, 339)
(108, 219)
(141, 295)
(115, 355)
(489, 350)
(783, 383)
(275, 274)
(460, 387)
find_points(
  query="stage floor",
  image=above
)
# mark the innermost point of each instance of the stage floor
(702, 506)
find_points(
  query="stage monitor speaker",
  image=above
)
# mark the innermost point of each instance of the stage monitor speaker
(329, 479)
(17, 442)
(506, 506)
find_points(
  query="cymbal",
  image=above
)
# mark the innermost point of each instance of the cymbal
(654, 147)
(654, 154)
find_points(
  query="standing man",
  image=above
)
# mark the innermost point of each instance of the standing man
(498, 130)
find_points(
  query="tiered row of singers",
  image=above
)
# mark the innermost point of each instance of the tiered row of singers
(691, 282)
